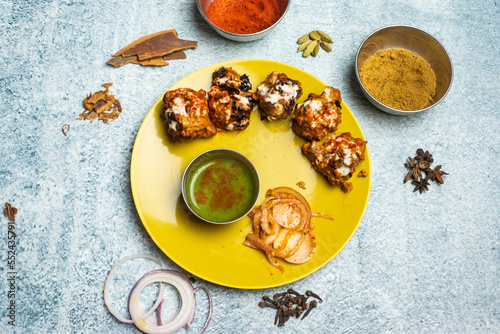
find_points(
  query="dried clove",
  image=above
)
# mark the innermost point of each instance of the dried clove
(290, 304)
(312, 294)
(312, 305)
(10, 212)
(292, 291)
(278, 318)
(267, 304)
(279, 295)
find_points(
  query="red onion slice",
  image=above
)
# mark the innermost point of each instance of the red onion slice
(210, 311)
(110, 276)
(185, 313)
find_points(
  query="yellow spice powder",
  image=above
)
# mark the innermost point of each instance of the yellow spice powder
(399, 78)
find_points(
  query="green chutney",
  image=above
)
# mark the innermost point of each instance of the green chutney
(221, 189)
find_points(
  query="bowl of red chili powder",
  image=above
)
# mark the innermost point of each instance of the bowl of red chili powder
(243, 20)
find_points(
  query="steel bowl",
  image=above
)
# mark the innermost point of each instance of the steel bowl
(283, 6)
(208, 156)
(418, 42)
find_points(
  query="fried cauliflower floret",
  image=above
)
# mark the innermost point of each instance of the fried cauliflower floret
(230, 101)
(186, 114)
(336, 157)
(226, 76)
(277, 96)
(230, 109)
(318, 115)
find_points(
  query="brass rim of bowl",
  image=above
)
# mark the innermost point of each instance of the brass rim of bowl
(241, 35)
(391, 108)
(233, 152)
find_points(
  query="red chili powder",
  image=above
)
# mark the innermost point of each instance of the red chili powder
(218, 180)
(243, 16)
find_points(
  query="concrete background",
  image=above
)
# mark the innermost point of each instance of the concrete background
(417, 263)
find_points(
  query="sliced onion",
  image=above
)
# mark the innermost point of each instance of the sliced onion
(267, 227)
(185, 315)
(211, 308)
(110, 276)
(141, 319)
(322, 215)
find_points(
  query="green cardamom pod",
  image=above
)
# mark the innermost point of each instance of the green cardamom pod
(324, 36)
(309, 49)
(327, 47)
(303, 39)
(314, 35)
(316, 50)
(304, 45)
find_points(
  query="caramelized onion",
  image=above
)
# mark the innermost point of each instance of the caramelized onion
(322, 215)
(267, 227)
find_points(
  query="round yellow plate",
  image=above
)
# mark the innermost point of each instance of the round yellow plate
(215, 252)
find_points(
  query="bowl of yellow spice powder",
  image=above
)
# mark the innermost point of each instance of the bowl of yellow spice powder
(403, 70)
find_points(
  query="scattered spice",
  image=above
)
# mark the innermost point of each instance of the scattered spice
(158, 61)
(301, 185)
(420, 185)
(399, 79)
(131, 149)
(65, 129)
(243, 16)
(424, 156)
(416, 168)
(153, 50)
(10, 212)
(435, 174)
(363, 173)
(421, 163)
(101, 105)
(290, 304)
(310, 43)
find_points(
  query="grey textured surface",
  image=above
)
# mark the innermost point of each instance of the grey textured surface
(417, 263)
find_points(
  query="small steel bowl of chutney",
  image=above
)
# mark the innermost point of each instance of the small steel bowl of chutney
(220, 186)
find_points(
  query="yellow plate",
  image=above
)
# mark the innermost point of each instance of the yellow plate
(215, 252)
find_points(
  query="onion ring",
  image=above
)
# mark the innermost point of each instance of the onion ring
(182, 318)
(269, 225)
(210, 310)
(185, 315)
(110, 276)
(186, 294)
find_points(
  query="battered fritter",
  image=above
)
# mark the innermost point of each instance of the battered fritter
(277, 96)
(318, 115)
(230, 110)
(226, 76)
(336, 157)
(186, 114)
(230, 101)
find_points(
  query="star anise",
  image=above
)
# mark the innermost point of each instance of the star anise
(435, 174)
(420, 185)
(424, 156)
(416, 168)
